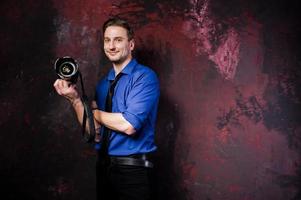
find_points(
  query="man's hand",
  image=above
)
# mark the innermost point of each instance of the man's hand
(67, 90)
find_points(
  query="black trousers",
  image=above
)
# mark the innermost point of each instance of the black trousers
(122, 182)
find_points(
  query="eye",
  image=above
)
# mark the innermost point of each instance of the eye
(106, 40)
(119, 39)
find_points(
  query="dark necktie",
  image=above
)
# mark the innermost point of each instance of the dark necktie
(106, 131)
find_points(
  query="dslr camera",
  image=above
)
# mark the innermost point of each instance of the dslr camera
(67, 69)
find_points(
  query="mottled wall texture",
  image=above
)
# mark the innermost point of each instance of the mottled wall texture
(229, 124)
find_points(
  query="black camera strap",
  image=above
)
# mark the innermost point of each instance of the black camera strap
(87, 116)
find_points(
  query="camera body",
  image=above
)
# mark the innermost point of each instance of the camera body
(67, 69)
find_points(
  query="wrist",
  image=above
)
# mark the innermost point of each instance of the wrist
(75, 101)
(96, 115)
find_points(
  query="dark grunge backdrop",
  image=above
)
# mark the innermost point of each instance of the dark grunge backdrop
(229, 115)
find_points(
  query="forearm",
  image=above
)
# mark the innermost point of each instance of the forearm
(114, 121)
(68, 91)
(78, 107)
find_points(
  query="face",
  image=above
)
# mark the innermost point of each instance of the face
(117, 46)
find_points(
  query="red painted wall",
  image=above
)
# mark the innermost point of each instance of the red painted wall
(229, 121)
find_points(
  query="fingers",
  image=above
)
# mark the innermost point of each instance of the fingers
(64, 84)
(66, 89)
(57, 86)
(96, 115)
(61, 86)
(67, 84)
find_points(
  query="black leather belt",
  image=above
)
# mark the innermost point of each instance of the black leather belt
(133, 160)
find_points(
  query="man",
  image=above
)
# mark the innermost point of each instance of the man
(127, 100)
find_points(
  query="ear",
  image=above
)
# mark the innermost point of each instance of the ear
(132, 44)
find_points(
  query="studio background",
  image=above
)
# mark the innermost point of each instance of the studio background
(229, 116)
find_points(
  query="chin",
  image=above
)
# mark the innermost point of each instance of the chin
(115, 60)
(112, 59)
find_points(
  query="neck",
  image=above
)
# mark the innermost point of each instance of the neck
(118, 67)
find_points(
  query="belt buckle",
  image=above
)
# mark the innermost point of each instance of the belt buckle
(148, 164)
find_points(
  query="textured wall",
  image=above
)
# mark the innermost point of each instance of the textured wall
(229, 115)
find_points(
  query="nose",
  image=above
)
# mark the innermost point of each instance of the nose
(111, 45)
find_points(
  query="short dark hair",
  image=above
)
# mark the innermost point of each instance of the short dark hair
(116, 21)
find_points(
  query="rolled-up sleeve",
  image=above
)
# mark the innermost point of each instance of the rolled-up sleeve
(142, 98)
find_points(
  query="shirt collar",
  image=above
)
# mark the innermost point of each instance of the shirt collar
(128, 69)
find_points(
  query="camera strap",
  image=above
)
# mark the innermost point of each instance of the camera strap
(87, 116)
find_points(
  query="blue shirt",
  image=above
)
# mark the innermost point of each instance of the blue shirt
(136, 96)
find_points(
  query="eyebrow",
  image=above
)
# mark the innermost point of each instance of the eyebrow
(118, 37)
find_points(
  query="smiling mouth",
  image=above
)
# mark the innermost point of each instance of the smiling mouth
(112, 53)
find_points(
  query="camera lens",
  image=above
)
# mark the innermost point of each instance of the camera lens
(66, 68)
